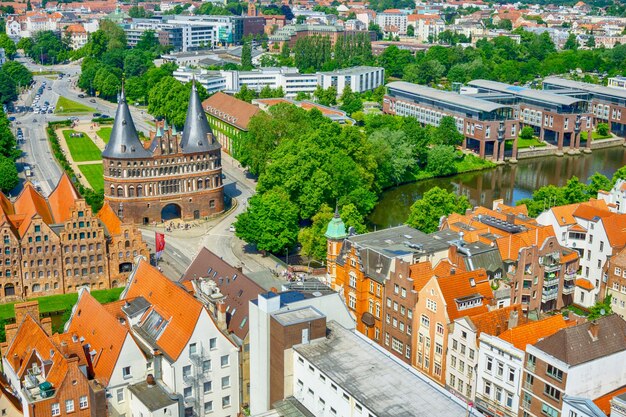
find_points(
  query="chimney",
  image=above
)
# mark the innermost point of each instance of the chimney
(16, 362)
(593, 330)
(513, 319)
(10, 330)
(510, 218)
(221, 316)
(63, 349)
(452, 271)
(498, 329)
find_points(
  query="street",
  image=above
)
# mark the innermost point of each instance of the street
(180, 247)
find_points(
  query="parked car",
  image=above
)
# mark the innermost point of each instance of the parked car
(81, 96)
(93, 100)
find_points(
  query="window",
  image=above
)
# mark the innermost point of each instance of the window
(225, 361)
(126, 372)
(186, 371)
(425, 321)
(225, 382)
(213, 343)
(208, 407)
(487, 388)
(438, 349)
(509, 400)
(511, 374)
(226, 401)
(471, 353)
(352, 301)
(555, 373)
(498, 394)
(208, 386)
(440, 328)
(69, 406)
(552, 392)
(396, 288)
(192, 348)
(83, 402)
(206, 366)
(455, 344)
(549, 411)
(187, 392)
(489, 363)
(431, 305)
(120, 395)
(403, 293)
(500, 371)
(353, 281)
(56, 409)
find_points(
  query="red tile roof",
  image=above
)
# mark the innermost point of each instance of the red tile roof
(496, 321)
(531, 332)
(465, 284)
(171, 301)
(421, 273)
(233, 111)
(62, 199)
(101, 330)
(30, 203)
(604, 402)
(584, 284)
(110, 220)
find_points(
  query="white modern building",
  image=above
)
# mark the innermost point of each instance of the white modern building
(360, 79)
(345, 374)
(267, 312)
(596, 233)
(27, 24)
(392, 18)
(426, 27)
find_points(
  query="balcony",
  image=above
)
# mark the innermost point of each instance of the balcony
(550, 279)
(568, 289)
(569, 276)
(526, 405)
(549, 295)
(190, 400)
(189, 379)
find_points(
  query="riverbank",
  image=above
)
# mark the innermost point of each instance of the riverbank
(469, 163)
(510, 182)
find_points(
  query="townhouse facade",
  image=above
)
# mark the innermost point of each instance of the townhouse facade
(57, 245)
(615, 271)
(441, 301)
(392, 18)
(551, 373)
(501, 364)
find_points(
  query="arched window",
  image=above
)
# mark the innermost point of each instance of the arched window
(199, 184)
(36, 287)
(139, 191)
(112, 190)
(131, 191)
(120, 192)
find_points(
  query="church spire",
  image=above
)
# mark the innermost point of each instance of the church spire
(197, 135)
(124, 142)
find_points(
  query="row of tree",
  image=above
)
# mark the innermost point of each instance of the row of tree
(315, 53)
(46, 47)
(9, 153)
(13, 77)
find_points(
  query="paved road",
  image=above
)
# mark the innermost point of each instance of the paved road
(180, 249)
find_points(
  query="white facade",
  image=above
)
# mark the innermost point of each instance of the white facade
(592, 244)
(331, 305)
(397, 19)
(616, 198)
(462, 358)
(360, 79)
(25, 26)
(427, 28)
(500, 366)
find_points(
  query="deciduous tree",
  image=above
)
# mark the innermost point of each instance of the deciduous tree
(436, 203)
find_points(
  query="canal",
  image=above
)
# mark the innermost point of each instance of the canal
(510, 182)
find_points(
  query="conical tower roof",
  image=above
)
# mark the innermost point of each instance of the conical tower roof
(124, 142)
(196, 130)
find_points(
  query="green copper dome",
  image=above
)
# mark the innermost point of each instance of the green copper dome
(336, 228)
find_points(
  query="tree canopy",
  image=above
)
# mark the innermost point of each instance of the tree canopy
(436, 203)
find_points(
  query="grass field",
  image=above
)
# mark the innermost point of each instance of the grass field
(93, 173)
(594, 136)
(105, 134)
(62, 302)
(81, 148)
(67, 106)
(524, 143)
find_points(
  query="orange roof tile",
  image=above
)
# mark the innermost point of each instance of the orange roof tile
(110, 220)
(604, 402)
(532, 332)
(615, 227)
(421, 273)
(584, 284)
(30, 203)
(31, 338)
(496, 321)
(101, 330)
(589, 211)
(465, 284)
(572, 256)
(171, 301)
(577, 228)
(62, 199)
(75, 28)
(230, 109)
(444, 268)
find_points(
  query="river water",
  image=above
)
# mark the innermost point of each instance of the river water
(510, 182)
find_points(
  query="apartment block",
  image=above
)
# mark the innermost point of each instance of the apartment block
(485, 125)
(615, 272)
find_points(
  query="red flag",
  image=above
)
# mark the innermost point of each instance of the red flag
(159, 239)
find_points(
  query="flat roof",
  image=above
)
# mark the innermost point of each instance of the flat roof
(374, 379)
(592, 88)
(447, 97)
(153, 397)
(402, 240)
(290, 317)
(352, 70)
(526, 92)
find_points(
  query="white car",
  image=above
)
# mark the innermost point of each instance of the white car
(231, 228)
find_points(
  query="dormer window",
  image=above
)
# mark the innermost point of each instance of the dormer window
(123, 148)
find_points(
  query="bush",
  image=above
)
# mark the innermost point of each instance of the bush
(441, 160)
(603, 129)
(527, 132)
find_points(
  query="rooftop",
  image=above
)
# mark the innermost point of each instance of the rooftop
(592, 88)
(290, 317)
(531, 332)
(229, 109)
(447, 97)
(375, 380)
(524, 92)
(154, 397)
(576, 345)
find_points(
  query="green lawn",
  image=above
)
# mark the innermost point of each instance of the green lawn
(67, 106)
(105, 134)
(82, 148)
(62, 302)
(524, 143)
(594, 136)
(94, 174)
